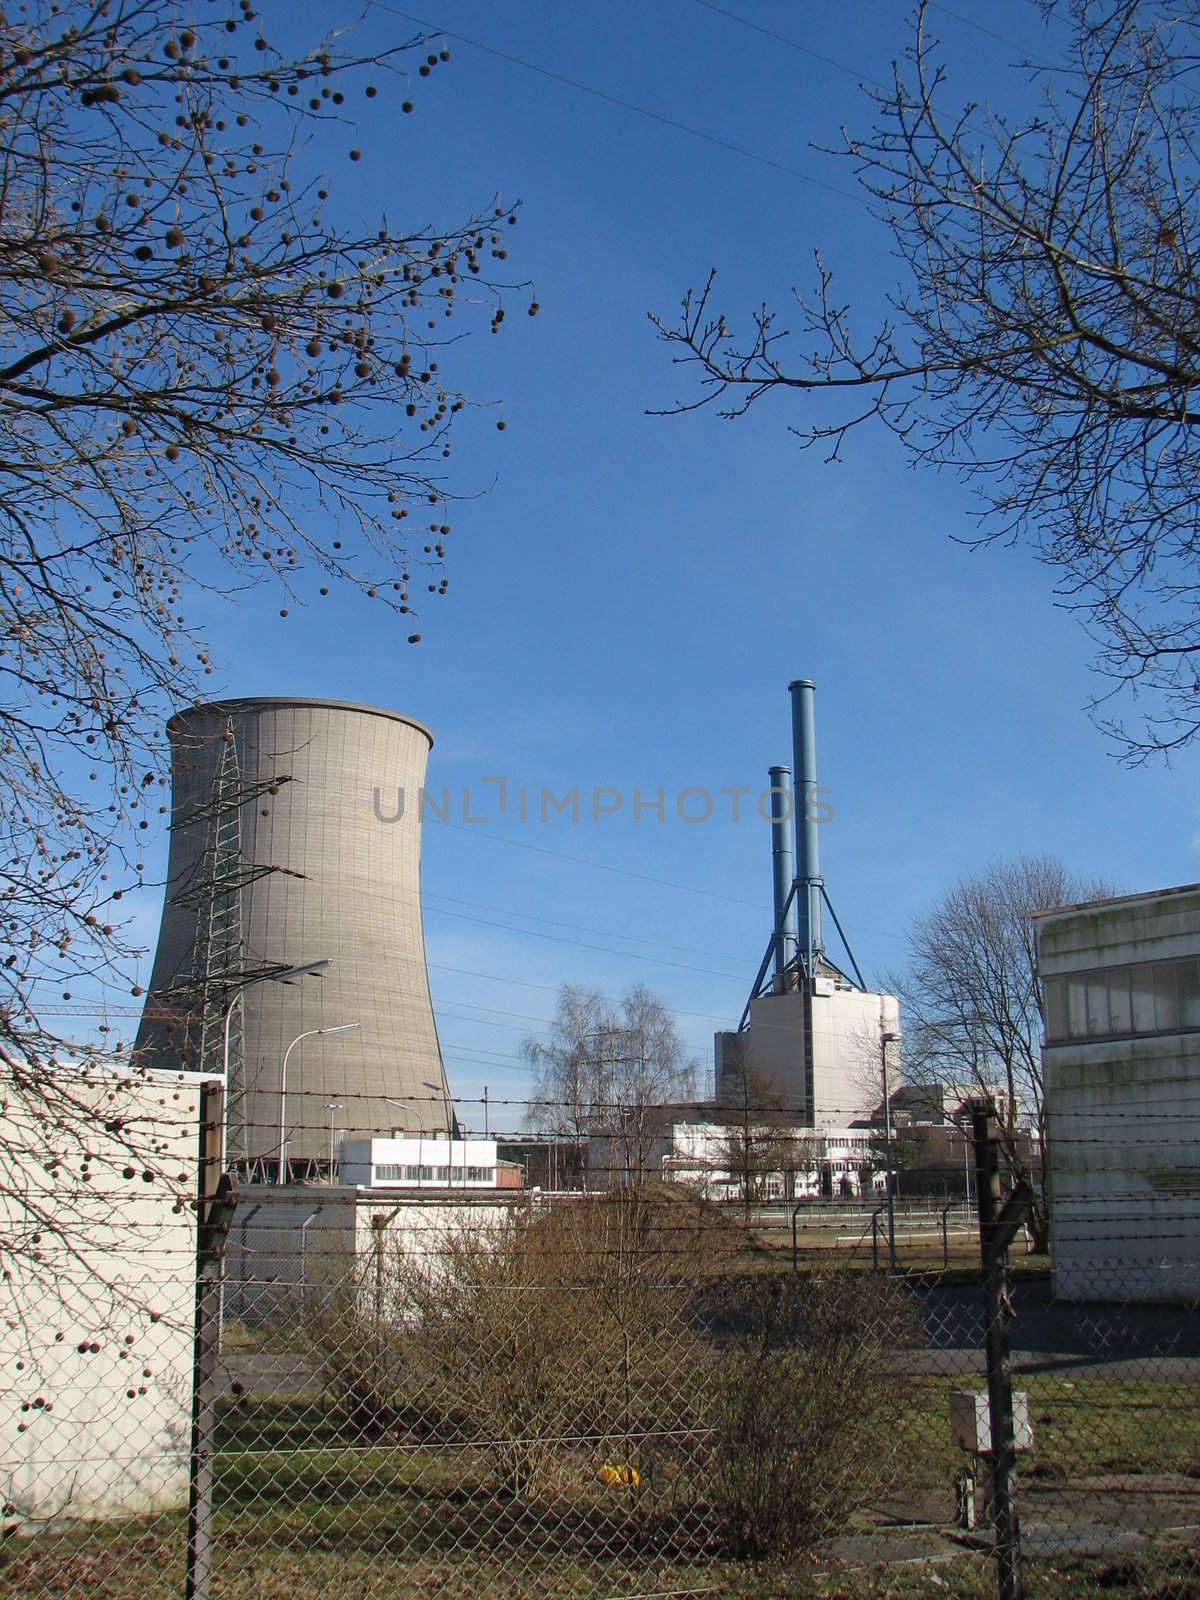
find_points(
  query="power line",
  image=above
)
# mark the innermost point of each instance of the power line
(579, 944)
(792, 44)
(989, 33)
(618, 100)
(599, 866)
(577, 927)
(854, 72)
(641, 877)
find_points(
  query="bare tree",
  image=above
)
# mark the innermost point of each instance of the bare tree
(1042, 340)
(972, 1002)
(759, 1139)
(211, 380)
(609, 1069)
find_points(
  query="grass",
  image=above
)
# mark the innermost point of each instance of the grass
(302, 1508)
(1083, 1428)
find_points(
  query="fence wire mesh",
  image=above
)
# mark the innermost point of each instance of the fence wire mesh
(620, 1387)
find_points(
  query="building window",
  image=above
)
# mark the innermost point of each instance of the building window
(1119, 1002)
(388, 1172)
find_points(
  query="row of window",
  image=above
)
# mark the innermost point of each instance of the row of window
(394, 1172)
(1116, 1002)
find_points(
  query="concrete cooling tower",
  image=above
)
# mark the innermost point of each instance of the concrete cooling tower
(297, 839)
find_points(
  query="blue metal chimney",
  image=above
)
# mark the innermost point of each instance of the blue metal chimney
(782, 804)
(809, 888)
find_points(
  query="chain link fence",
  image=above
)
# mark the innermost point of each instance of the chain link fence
(630, 1391)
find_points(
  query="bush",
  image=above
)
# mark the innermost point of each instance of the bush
(600, 1353)
(800, 1406)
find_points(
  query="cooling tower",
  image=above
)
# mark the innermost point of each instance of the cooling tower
(297, 839)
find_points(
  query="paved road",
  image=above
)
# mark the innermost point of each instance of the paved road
(1121, 1341)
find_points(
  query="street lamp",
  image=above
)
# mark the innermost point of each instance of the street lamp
(341, 1027)
(884, 1040)
(283, 975)
(332, 1106)
(443, 1090)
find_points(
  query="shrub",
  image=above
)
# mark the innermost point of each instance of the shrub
(800, 1406)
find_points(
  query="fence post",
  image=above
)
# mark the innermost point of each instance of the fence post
(997, 1225)
(214, 1212)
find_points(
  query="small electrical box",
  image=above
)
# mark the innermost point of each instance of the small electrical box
(970, 1424)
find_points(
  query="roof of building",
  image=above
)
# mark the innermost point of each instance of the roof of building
(278, 701)
(1118, 900)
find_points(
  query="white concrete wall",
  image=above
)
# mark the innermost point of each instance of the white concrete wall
(847, 1082)
(846, 1027)
(1123, 1118)
(286, 1242)
(96, 1331)
(776, 1050)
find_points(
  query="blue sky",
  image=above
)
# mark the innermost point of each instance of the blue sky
(631, 595)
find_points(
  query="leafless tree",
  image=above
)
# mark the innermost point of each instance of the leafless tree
(609, 1069)
(211, 382)
(759, 1139)
(1042, 340)
(972, 1003)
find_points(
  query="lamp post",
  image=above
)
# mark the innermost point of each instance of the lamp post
(442, 1089)
(332, 1107)
(341, 1027)
(884, 1040)
(284, 975)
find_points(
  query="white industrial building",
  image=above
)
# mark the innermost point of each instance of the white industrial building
(291, 1242)
(98, 1298)
(788, 1161)
(1121, 981)
(423, 1162)
(812, 1051)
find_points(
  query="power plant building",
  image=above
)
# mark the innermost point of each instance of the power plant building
(296, 843)
(813, 1039)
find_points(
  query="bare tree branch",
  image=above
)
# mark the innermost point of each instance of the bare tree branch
(1044, 342)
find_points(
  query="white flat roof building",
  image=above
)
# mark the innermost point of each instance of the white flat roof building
(419, 1163)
